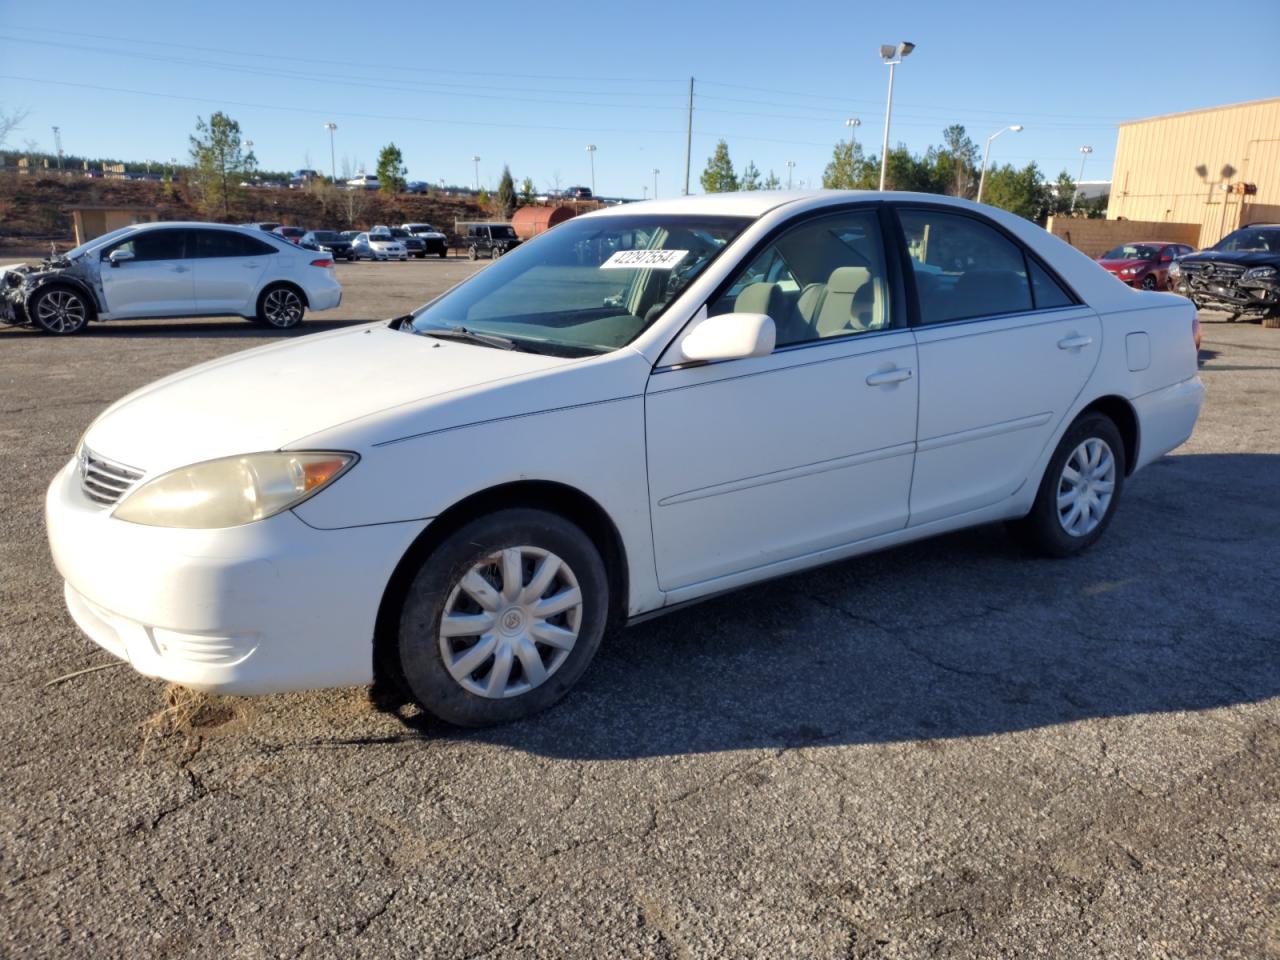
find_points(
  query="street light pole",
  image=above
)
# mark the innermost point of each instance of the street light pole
(853, 123)
(476, 161)
(333, 162)
(591, 152)
(986, 155)
(1084, 155)
(892, 56)
(790, 166)
(655, 171)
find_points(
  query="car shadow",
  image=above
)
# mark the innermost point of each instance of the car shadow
(212, 330)
(960, 636)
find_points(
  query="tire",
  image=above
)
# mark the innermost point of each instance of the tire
(482, 549)
(494, 253)
(444, 253)
(1149, 282)
(281, 307)
(472, 253)
(1272, 321)
(1044, 529)
(60, 310)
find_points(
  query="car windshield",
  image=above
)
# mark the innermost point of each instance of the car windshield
(399, 233)
(1249, 240)
(587, 286)
(96, 241)
(324, 235)
(1133, 251)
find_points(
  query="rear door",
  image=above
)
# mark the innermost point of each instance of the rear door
(156, 282)
(1004, 350)
(228, 268)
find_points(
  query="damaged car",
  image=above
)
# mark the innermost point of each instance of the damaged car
(168, 270)
(1239, 274)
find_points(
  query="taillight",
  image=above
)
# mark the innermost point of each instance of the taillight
(328, 262)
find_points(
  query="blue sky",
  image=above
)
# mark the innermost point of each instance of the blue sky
(531, 84)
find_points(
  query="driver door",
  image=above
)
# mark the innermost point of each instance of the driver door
(758, 461)
(156, 280)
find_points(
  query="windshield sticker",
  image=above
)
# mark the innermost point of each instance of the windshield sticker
(644, 259)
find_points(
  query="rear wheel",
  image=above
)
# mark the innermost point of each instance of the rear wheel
(281, 307)
(473, 253)
(444, 253)
(1079, 491)
(60, 311)
(494, 253)
(503, 618)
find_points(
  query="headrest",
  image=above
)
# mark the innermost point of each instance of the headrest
(847, 279)
(757, 298)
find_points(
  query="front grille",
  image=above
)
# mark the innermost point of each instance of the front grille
(105, 481)
(1214, 272)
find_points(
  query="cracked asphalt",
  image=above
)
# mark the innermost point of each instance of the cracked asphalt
(944, 750)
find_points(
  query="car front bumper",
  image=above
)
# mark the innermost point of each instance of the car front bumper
(1259, 296)
(261, 608)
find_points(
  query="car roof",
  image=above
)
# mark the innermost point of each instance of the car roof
(756, 203)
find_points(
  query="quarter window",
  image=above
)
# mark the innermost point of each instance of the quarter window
(821, 279)
(964, 268)
(1047, 291)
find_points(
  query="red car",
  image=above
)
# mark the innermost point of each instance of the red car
(1145, 264)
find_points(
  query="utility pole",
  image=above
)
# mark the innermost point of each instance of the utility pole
(57, 143)
(333, 163)
(688, 140)
(790, 166)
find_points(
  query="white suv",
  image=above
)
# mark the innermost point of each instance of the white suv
(160, 270)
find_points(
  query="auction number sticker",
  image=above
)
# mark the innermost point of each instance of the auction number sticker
(644, 260)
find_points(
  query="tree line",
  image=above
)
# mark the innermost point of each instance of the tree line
(952, 167)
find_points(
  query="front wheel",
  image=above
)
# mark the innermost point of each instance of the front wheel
(1079, 492)
(444, 253)
(280, 307)
(1149, 282)
(503, 618)
(472, 253)
(59, 311)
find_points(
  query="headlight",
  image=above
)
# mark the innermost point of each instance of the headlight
(1175, 269)
(232, 491)
(1128, 271)
(1259, 273)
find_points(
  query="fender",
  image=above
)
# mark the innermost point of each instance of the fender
(65, 279)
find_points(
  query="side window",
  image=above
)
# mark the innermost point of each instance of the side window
(1047, 291)
(224, 243)
(963, 267)
(821, 279)
(153, 245)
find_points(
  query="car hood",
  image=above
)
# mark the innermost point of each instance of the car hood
(1124, 264)
(1251, 258)
(268, 398)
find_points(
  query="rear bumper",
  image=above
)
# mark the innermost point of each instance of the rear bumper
(1166, 418)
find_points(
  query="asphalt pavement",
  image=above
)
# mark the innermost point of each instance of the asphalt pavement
(943, 750)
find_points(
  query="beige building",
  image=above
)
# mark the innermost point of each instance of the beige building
(1218, 168)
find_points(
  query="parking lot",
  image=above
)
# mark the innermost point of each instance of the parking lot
(944, 750)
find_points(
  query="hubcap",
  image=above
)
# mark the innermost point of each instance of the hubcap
(283, 308)
(60, 312)
(1086, 486)
(510, 622)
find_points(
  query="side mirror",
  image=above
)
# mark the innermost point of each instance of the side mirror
(118, 257)
(729, 336)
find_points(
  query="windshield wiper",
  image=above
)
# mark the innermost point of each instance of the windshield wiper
(469, 336)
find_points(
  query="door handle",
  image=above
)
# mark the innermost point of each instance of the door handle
(896, 375)
(252, 266)
(1074, 343)
(179, 268)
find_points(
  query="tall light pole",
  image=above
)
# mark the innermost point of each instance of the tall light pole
(986, 154)
(644, 191)
(248, 145)
(853, 123)
(791, 164)
(333, 162)
(892, 56)
(655, 171)
(1084, 155)
(591, 152)
(476, 160)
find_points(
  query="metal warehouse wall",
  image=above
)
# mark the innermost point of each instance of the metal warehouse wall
(1172, 168)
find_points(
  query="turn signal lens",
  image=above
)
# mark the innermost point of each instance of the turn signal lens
(232, 491)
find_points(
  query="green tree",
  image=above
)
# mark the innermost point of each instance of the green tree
(750, 177)
(391, 169)
(906, 171)
(1023, 192)
(719, 176)
(218, 161)
(506, 194)
(771, 182)
(1064, 190)
(847, 169)
(527, 190)
(956, 163)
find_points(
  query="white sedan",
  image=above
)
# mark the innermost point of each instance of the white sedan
(157, 270)
(646, 406)
(378, 246)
